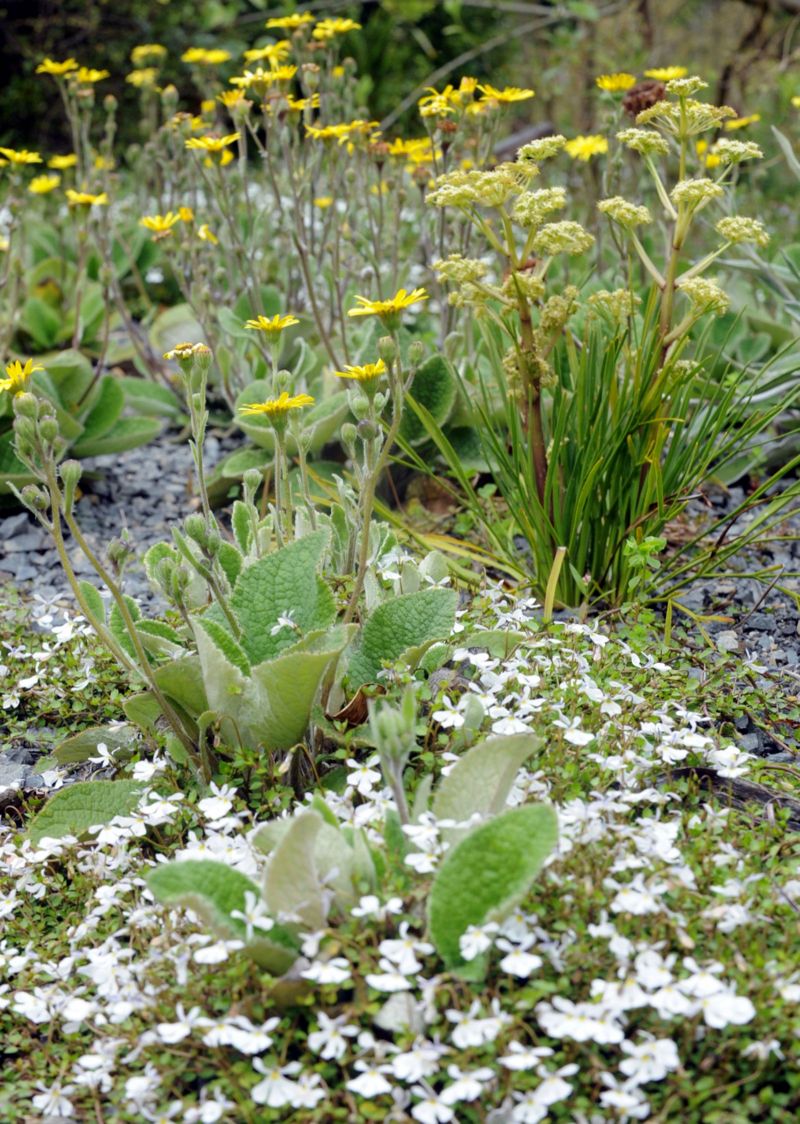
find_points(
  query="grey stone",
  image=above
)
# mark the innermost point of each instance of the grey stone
(11, 772)
(750, 743)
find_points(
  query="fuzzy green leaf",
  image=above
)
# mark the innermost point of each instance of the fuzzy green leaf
(404, 626)
(291, 882)
(489, 872)
(435, 388)
(213, 890)
(481, 780)
(285, 582)
(75, 809)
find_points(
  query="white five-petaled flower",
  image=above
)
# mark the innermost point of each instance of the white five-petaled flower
(253, 915)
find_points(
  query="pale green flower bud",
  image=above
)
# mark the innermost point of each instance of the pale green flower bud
(626, 214)
(739, 228)
(705, 295)
(644, 141)
(387, 350)
(695, 193)
(416, 352)
(35, 498)
(195, 527)
(542, 149)
(562, 238)
(48, 429)
(26, 406)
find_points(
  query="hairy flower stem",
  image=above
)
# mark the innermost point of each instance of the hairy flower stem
(532, 403)
(369, 485)
(142, 665)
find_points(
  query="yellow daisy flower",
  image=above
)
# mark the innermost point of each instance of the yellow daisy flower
(323, 201)
(18, 376)
(278, 407)
(20, 156)
(199, 56)
(41, 185)
(86, 199)
(212, 145)
(584, 148)
(57, 69)
(506, 96)
(87, 76)
(327, 28)
(666, 73)
(615, 83)
(142, 79)
(61, 163)
(272, 325)
(205, 234)
(367, 373)
(734, 123)
(161, 225)
(388, 310)
(147, 52)
(290, 23)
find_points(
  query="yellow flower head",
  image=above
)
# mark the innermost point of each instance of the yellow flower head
(87, 76)
(143, 78)
(615, 83)
(20, 156)
(344, 132)
(18, 376)
(231, 98)
(272, 325)
(327, 28)
(212, 145)
(584, 148)
(57, 69)
(290, 23)
(205, 234)
(388, 310)
(436, 104)
(61, 163)
(796, 101)
(505, 97)
(323, 201)
(148, 52)
(735, 123)
(666, 73)
(199, 56)
(368, 373)
(103, 163)
(42, 185)
(161, 225)
(299, 105)
(274, 53)
(277, 408)
(186, 214)
(86, 199)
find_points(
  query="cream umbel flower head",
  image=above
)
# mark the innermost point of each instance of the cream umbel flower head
(739, 228)
(647, 142)
(531, 207)
(627, 214)
(542, 149)
(695, 193)
(705, 295)
(562, 238)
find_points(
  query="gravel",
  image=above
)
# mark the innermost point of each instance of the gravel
(148, 491)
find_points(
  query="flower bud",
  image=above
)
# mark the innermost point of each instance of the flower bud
(387, 350)
(26, 406)
(34, 498)
(368, 430)
(48, 428)
(195, 527)
(349, 434)
(416, 352)
(252, 480)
